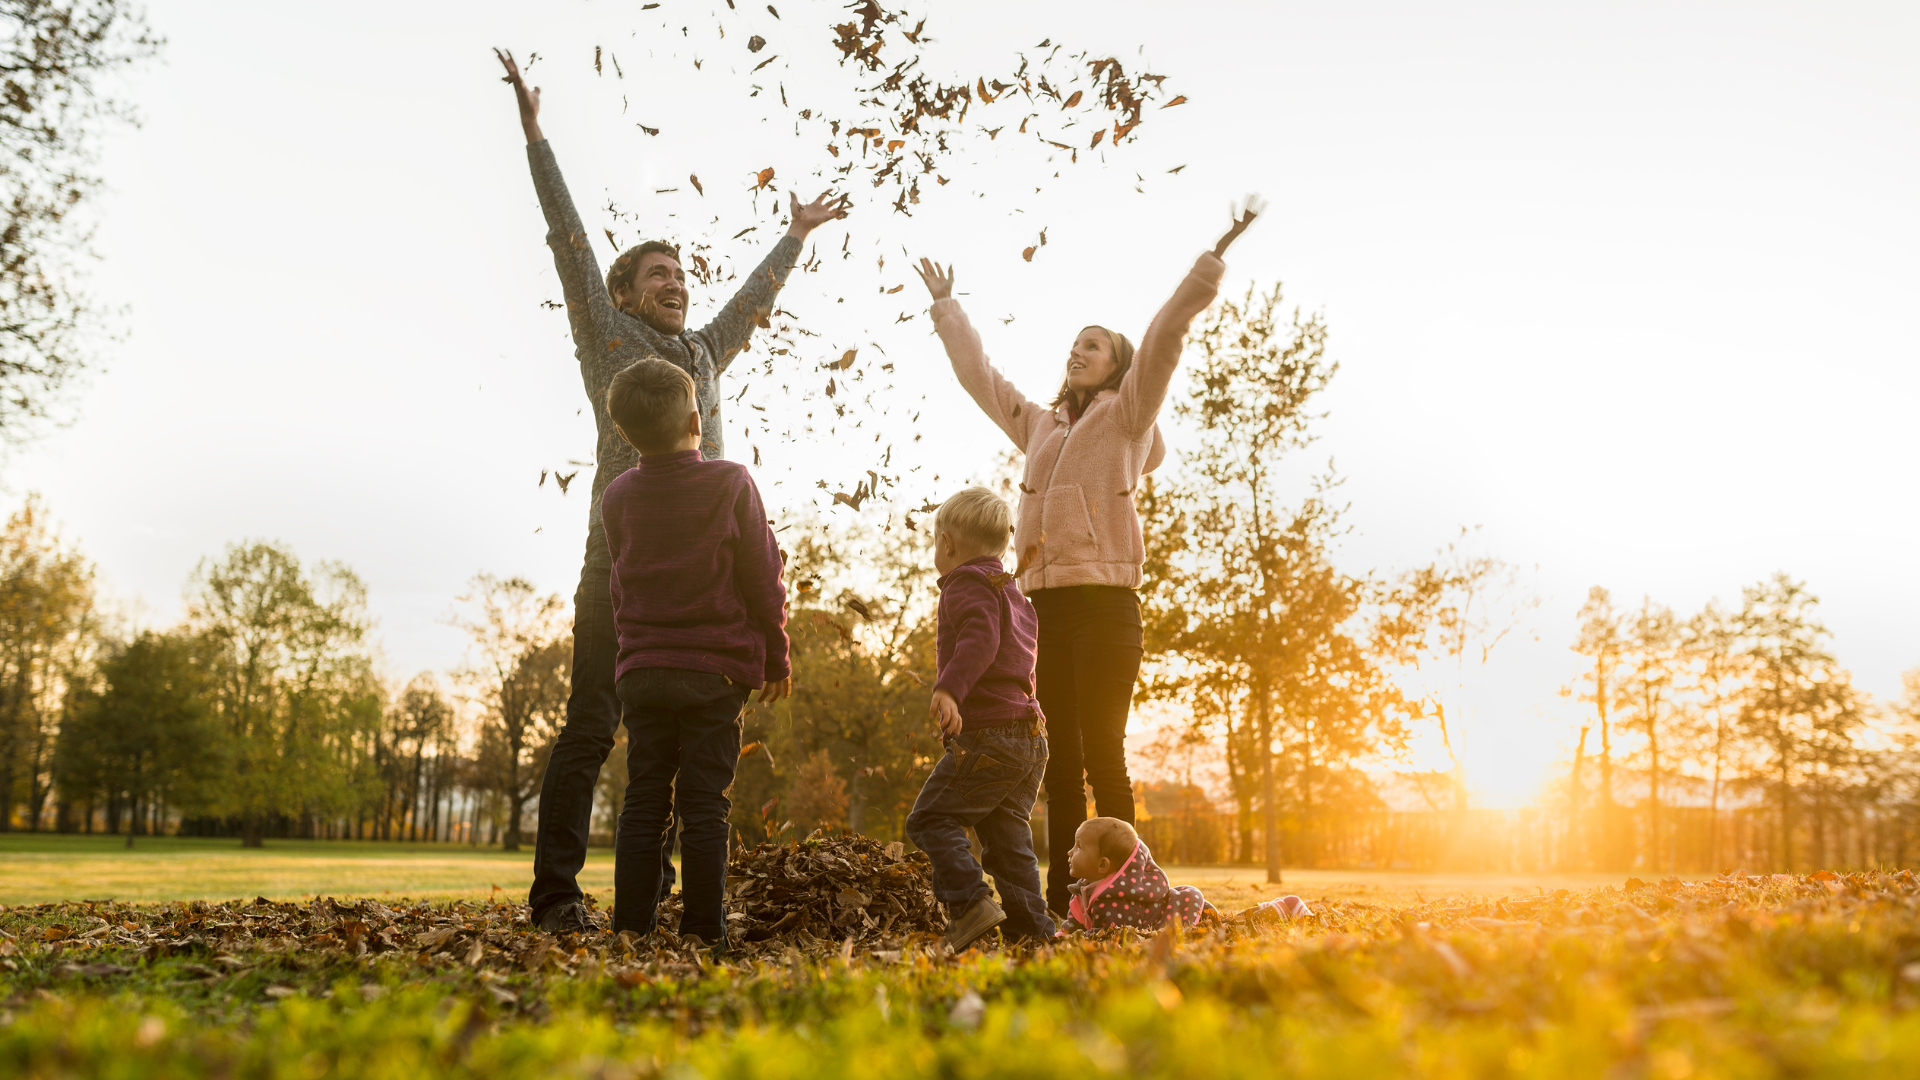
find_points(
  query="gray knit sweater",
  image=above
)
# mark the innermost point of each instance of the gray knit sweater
(606, 339)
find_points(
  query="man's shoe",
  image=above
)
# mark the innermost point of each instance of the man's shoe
(982, 916)
(568, 918)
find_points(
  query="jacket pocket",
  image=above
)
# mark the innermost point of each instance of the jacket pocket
(1066, 528)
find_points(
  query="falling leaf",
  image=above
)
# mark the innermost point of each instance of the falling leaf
(845, 361)
(766, 177)
(749, 748)
(1072, 101)
(764, 63)
(1181, 100)
(1175, 169)
(563, 481)
(860, 608)
(1028, 254)
(756, 43)
(696, 184)
(652, 131)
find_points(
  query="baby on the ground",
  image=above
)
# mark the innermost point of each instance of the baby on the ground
(1118, 884)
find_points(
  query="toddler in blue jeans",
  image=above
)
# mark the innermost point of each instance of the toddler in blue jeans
(995, 735)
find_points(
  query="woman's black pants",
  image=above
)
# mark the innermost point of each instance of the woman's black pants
(1089, 657)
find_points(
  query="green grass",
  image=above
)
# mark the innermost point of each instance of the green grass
(1757, 977)
(42, 868)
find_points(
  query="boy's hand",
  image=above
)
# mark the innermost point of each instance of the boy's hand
(938, 281)
(1243, 217)
(774, 691)
(529, 99)
(946, 713)
(828, 207)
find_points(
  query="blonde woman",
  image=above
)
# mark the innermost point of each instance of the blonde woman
(1077, 538)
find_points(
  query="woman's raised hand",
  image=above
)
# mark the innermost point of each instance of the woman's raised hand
(939, 280)
(1242, 217)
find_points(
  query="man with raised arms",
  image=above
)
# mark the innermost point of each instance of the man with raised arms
(638, 311)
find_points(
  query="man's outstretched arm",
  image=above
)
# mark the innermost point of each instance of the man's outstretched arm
(730, 330)
(579, 271)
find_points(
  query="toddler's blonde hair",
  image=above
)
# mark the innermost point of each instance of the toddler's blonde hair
(978, 518)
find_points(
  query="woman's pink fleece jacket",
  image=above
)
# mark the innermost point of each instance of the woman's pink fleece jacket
(1077, 524)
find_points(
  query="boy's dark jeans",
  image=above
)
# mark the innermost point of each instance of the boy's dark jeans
(573, 769)
(683, 740)
(988, 780)
(1088, 659)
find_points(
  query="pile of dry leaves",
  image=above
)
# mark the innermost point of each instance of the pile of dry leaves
(837, 888)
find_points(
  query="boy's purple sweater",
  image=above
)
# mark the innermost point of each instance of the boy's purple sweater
(985, 646)
(696, 572)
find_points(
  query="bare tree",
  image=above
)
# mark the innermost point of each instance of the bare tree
(518, 671)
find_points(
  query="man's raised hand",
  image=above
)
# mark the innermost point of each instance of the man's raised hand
(775, 690)
(938, 280)
(529, 99)
(828, 207)
(1243, 217)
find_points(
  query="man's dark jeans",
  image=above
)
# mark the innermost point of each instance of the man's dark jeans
(683, 740)
(988, 780)
(1088, 659)
(573, 769)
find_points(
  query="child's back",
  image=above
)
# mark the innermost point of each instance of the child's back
(696, 575)
(700, 614)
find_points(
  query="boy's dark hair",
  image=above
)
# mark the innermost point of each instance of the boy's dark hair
(1122, 360)
(620, 274)
(650, 401)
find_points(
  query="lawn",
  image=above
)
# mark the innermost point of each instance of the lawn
(1402, 975)
(42, 868)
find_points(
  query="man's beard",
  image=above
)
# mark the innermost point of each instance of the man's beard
(649, 311)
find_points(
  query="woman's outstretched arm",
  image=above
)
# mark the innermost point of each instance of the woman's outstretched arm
(1003, 404)
(1144, 389)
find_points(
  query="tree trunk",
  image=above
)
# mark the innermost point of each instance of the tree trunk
(1269, 797)
(857, 801)
(1576, 850)
(1653, 794)
(253, 832)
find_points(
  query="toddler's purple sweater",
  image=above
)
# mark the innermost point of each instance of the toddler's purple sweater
(696, 571)
(985, 648)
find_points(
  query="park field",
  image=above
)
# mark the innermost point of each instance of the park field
(40, 868)
(1392, 975)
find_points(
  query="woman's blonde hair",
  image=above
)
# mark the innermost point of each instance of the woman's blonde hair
(976, 517)
(1122, 360)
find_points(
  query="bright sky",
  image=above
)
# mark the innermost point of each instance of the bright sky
(1628, 285)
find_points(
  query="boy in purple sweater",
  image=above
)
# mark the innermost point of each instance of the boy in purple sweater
(700, 614)
(995, 735)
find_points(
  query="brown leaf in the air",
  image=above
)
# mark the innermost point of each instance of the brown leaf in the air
(1028, 254)
(696, 184)
(564, 480)
(860, 608)
(1072, 101)
(845, 361)
(749, 748)
(766, 177)
(1181, 100)
(756, 43)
